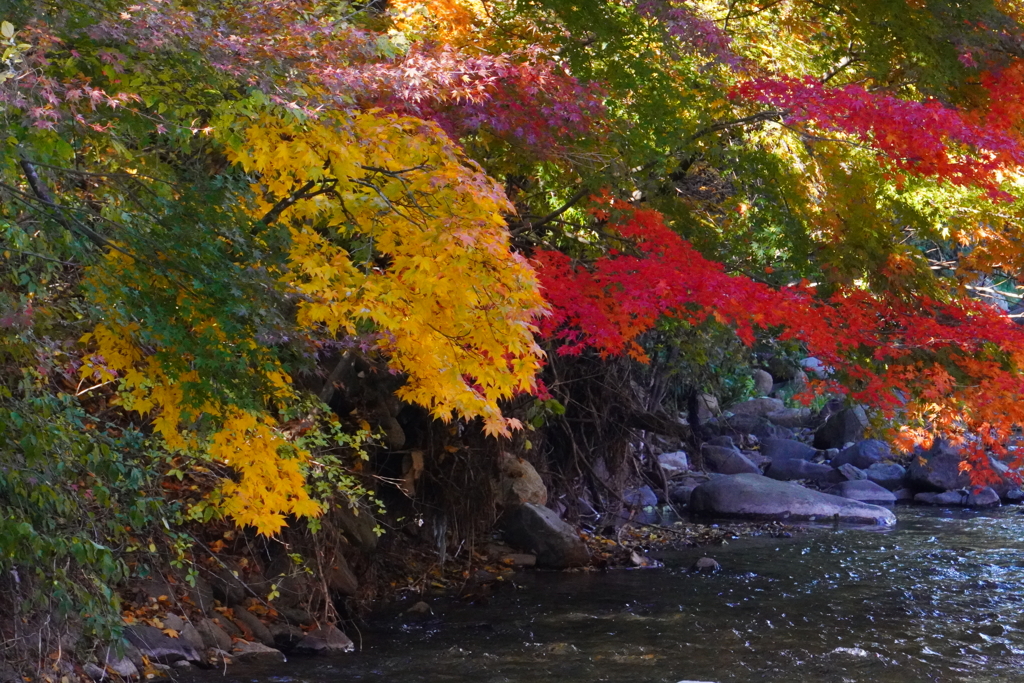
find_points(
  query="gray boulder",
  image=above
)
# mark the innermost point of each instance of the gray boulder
(674, 463)
(159, 647)
(213, 635)
(792, 469)
(325, 640)
(763, 382)
(903, 495)
(253, 624)
(851, 473)
(752, 496)
(791, 418)
(245, 651)
(787, 449)
(758, 407)
(724, 460)
(937, 469)
(865, 491)
(519, 482)
(680, 495)
(845, 426)
(863, 454)
(539, 530)
(984, 497)
(887, 474)
(640, 497)
(958, 498)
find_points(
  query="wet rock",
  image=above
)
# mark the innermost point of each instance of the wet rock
(937, 469)
(358, 525)
(793, 469)
(122, 666)
(286, 636)
(253, 624)
(519, 482)
(863, 454)
(674, 463)
(887, 475)
(958, 498)
(420, 608)
(813, 366)
(1014, 495)
(539, 530)
(759, 460)
(705, 565)
(640, 497)
(787, 449)
(229, 627)
(340, 577)
(758, 407)
(984, 497)
(792, 418)
(865, 491)
(213, 635)
(707, 407)
(763, 382)
(852, 473)
(680, 495)
(755, 497)
(244, 651)
(325, 640)
(845, 426)
(295, 615)
(727, 460)
(158, 646)
(228, 586)
(191, 635)
(95, 672)
(903, 495)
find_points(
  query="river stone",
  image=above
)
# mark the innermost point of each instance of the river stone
(640, 497)
(519, 482)
(758, 407)
(340, 577)
(792, 469)
(286, 636)
(763, 382)
(539, 530)
(845, 426)
(755, 497)
(674, 463)
(958, 498)
(727, 461)
(251, 622)
(937, 469)
(851, 473)
(325, 640)
(160, 647)
(213, 635)
(1014, 495)
(904, 495)
(707, 407)
(984, 497)
(863, 454)
(244, 651)
(864, 491)
(791, 418)
(887, 474)
(680, 495)
(787, 449)
(706, 565)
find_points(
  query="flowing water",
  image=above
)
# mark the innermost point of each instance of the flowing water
(939, 598)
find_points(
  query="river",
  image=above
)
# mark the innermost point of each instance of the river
(938, 598)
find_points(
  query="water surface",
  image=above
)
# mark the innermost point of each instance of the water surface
(939, 598)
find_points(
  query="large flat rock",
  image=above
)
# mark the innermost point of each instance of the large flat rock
(753, 496)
